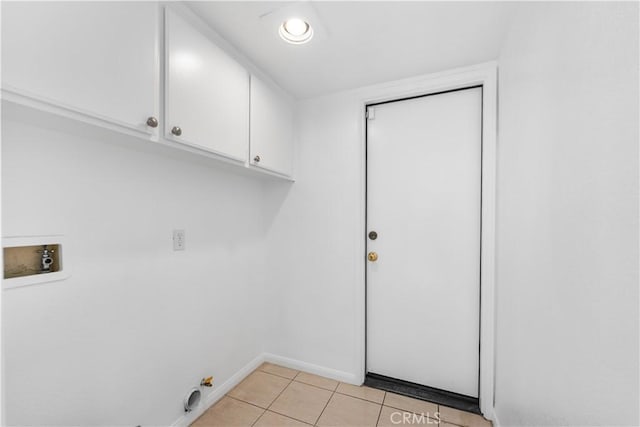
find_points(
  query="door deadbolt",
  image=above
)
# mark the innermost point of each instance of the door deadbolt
(373, 235)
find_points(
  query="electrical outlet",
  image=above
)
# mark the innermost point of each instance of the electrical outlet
(178, 240)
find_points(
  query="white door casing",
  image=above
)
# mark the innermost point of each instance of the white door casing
(484, 74)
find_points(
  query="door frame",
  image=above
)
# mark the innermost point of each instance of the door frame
(485, 75)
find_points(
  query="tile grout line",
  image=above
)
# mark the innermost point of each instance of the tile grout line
(232, 398)
(291, 380)
(360, 398)
(277, 375)
(280, 394)
(269, 406)
(290, 417)
(325, 407)
(264, 411)
(243, 401)
(317, 386)
(440, 420)
(381, 406)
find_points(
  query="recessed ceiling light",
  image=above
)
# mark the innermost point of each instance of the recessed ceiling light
(296, 31)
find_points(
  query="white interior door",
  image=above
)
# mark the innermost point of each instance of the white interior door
(423, 201)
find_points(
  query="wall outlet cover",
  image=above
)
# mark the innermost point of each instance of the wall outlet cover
(178, 240)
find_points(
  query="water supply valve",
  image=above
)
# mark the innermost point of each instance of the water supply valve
(46, 260)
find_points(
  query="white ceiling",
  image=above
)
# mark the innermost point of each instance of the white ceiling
(361, 43)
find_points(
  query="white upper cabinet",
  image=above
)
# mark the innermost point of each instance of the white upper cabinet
(207, 93)
(271, 129)
(98, 59)
(100, 62)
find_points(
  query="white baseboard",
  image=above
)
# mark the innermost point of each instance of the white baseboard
(496, 421)
(218, 393)
(299, 365)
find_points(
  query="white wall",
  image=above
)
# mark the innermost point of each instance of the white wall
(313, 259)
(567, 318)
(567, 220)
(137, 325)
(316, 242)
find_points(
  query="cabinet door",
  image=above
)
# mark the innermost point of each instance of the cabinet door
(271, 129)
(95, 58)
(207, 93)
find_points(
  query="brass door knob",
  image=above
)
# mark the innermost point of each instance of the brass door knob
(372, 256)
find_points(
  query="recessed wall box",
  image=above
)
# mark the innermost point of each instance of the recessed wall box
(30, 260)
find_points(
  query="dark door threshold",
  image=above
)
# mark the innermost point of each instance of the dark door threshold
(422, 392)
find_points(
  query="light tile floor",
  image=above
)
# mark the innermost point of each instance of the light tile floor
(274, 396)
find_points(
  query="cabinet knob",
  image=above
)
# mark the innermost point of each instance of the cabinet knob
(152, 122)
(176, 130)
(256, 159)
